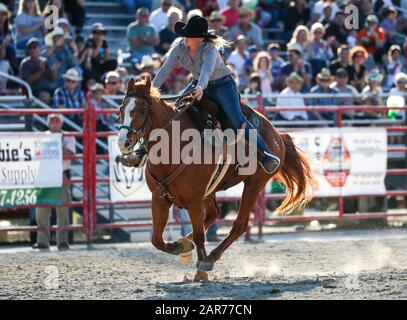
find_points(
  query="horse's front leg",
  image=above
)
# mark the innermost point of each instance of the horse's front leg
(196, 214)
(160, 210)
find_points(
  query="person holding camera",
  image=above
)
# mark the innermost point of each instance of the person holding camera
(99, 51)
(372, 38)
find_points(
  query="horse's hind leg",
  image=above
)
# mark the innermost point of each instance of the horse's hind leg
(160, 210)
(251, 191)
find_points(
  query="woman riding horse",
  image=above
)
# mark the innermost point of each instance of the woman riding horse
(198, 53)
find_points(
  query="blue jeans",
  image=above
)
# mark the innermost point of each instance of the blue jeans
(212, 231)
(224, 92)
(184, 217)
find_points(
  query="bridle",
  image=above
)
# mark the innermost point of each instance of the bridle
(140, 132)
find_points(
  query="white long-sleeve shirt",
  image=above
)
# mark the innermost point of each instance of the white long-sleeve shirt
(158, 19)
(293, 102)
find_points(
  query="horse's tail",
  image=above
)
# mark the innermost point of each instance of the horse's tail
(296, 175)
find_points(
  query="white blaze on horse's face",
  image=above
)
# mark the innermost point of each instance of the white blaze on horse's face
(122, 139)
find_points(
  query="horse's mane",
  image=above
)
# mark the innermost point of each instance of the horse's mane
(140, 83)
(155, 92)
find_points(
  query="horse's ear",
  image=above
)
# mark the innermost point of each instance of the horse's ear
(130, 86)
(148, 82)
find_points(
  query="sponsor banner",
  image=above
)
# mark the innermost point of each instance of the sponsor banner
(129, 184)
(30, 168)
(346, 161)
(126, 184)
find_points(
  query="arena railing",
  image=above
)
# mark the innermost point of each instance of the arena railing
(44, 112)
(260, 209)
(400, 127)
(21, 82)
(90, 179)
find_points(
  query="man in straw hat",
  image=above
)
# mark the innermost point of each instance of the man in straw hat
(293, 99)
(324, 79)
(216, 21)
(70, 94)
(245, 27)
(55, 122)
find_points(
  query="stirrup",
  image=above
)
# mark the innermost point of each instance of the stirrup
(275, 164)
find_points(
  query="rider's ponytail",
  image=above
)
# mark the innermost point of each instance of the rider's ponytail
(219, 42)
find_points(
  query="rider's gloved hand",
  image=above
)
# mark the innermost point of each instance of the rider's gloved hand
(198, 93)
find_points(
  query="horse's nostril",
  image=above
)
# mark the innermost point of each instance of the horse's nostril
(127, 144)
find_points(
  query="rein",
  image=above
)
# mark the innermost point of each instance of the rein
(141, 131)
(180, 96)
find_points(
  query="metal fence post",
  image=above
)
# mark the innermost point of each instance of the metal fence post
(89, 167)
(85, 164)
(260, 209)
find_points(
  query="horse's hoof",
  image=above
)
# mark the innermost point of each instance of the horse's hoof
(201, 276)
(205, 266)
(187, 245)
(185, 258)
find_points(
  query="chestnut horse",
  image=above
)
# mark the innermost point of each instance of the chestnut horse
(142, 111)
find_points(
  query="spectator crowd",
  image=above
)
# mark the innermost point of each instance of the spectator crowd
(277, 46)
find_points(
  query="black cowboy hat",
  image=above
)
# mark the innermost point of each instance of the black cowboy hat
(196, 27)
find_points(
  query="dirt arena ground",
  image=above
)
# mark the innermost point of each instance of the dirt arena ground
(323, 265)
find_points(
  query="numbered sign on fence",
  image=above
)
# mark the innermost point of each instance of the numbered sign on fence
(30, 168)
